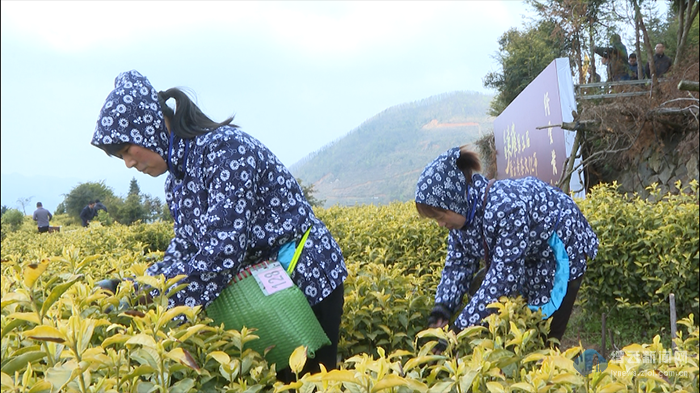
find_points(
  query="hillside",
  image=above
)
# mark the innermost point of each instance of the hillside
(380, 161)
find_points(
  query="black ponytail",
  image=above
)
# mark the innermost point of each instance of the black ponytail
(187, 120)
(468, 162)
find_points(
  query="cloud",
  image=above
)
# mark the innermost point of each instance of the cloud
(69, 26)
(296, 74)
(344, 28)
(314, 28)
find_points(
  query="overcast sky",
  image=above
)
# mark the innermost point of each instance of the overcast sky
(296, 75)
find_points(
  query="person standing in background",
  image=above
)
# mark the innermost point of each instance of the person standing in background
(591, 77)
(634, 66)
(88, 213)
(616, 55)
(42, 217)
(662, 63)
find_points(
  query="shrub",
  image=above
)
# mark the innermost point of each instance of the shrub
(12, 220)
(648, 249)
(62, 333)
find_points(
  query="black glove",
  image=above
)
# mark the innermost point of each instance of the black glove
(440, 347)
(439, 312)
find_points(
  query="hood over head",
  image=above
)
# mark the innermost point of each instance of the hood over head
(443, 185)
(131, 114)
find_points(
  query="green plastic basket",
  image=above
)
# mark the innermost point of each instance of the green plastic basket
(283, 320)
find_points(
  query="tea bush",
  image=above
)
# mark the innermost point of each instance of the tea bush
(12, 220)
(648, 249)
(62, 333)
(391, 235)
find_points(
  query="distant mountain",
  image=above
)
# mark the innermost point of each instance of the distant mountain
(380, 161)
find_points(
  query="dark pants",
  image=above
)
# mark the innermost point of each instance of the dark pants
(328, 312)
(560, 318)
(43, 229)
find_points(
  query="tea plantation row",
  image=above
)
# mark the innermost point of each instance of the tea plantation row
(59, 333)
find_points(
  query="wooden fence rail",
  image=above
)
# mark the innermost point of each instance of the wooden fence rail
(592, 91)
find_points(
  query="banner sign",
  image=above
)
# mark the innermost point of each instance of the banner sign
(522, 149)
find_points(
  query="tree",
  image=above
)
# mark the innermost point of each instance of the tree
(24, 202)
(522, 56)
(153, 208)
(647, 42)
(687, 14)
(134, 188)
(132, 210)
(136, 206)
(164, 213)
(60, 209)
(309, 194)
(81, 194)
(575, 22)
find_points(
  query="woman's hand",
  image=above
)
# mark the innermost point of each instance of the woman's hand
(439, 318)
(442, 344)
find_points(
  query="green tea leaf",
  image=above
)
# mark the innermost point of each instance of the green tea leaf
(56, 294)
(18, 363)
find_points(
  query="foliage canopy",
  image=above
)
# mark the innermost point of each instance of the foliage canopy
(522, 55)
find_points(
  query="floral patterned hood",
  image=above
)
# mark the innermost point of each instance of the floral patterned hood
(443, 185)
(131, 114)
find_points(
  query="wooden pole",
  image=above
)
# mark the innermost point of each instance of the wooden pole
(603, 344)
(672, 301)
(565, 180)
(688, 85)
(612, 340)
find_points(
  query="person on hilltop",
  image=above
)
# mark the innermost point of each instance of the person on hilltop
(592, 78)
(42, 218)
(634, 66)
(233, 202)
(616, 55)
(533, 237)
(88, 213)
(662, 63)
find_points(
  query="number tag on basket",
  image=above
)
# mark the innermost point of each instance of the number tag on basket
(272, 278)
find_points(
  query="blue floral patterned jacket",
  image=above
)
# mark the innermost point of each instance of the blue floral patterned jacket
(519, 218)
(535, 235)
(234, 204)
